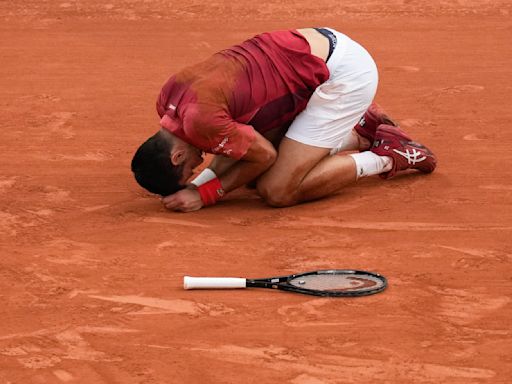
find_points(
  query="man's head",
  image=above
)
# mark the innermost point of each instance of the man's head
(164, 163)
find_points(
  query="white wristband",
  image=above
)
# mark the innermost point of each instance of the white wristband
(205, 176)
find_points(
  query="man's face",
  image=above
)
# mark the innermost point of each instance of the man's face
(193, 158)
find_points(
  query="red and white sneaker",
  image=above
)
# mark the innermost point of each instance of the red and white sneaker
(373, 117)
(406, 154)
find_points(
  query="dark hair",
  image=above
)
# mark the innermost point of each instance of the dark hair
(153, 169)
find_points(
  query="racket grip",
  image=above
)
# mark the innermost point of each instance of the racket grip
(190, 282)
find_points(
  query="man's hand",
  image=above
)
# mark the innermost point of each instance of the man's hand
(186, 200)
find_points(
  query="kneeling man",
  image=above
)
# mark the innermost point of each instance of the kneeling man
(306, 92)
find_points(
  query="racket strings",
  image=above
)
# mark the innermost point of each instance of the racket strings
(333, 282)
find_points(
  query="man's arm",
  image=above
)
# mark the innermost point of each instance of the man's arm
(258, 158)
(220, 164)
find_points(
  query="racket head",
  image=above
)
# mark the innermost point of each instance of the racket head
(336, 283)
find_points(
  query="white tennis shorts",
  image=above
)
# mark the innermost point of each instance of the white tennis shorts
(337, 105)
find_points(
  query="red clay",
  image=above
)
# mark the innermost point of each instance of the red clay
(91, 266)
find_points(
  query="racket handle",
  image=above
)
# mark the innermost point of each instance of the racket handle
(190, 282)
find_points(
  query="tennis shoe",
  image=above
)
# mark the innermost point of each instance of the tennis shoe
(406, 154)
(372, 118)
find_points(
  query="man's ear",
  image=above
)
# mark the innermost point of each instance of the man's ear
(177, 156)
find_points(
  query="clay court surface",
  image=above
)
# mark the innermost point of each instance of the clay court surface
(91, 266)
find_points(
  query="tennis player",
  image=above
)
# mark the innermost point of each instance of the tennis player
(306, 92)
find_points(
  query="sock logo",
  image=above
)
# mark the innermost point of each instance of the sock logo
(412, 157)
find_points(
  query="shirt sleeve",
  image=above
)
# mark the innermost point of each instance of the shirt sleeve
(213, 130)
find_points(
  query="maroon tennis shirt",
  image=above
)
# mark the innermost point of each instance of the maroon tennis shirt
(259, 85)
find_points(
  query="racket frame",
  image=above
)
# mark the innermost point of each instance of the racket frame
(283, 283)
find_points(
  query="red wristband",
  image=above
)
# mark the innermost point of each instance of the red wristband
(211, 191)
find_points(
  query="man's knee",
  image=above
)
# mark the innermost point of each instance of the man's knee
(276, 196)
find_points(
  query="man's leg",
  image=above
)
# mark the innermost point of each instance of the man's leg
(302, 172)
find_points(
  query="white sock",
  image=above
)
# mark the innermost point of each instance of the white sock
(369, 163)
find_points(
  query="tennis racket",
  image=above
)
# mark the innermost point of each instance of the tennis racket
(332, 282)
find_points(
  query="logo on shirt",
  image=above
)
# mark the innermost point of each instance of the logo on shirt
(220, 147)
